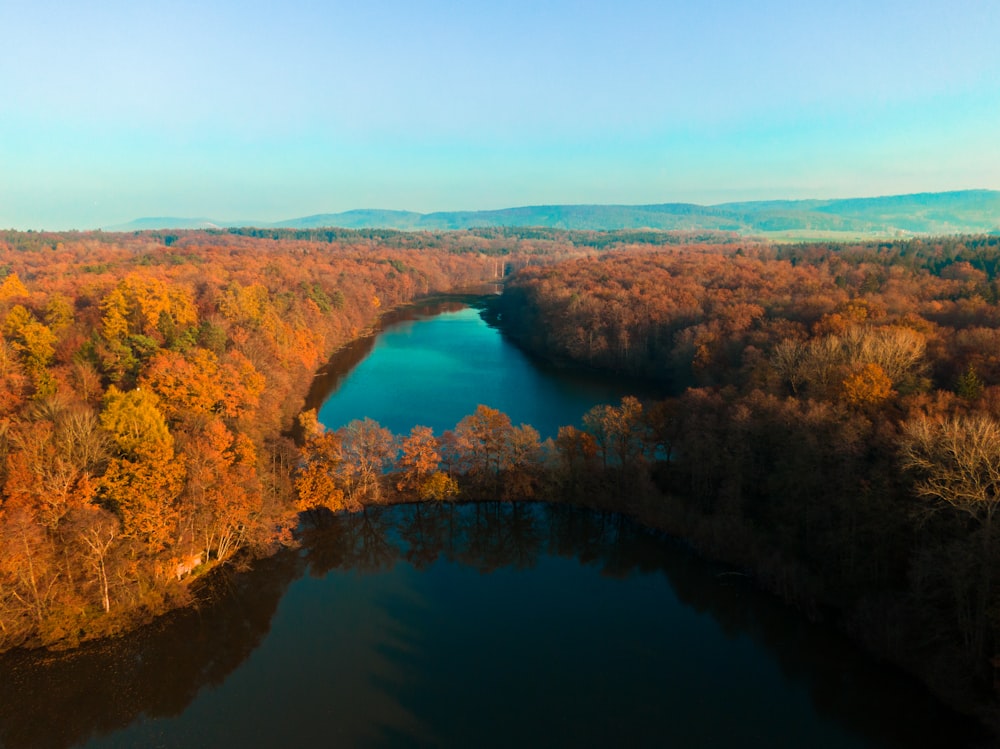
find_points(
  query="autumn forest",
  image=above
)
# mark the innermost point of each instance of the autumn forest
(830, 420)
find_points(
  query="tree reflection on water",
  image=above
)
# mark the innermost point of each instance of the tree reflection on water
(64, 699)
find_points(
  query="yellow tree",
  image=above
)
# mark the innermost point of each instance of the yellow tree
(35, 343)
(136, 424)
(58, 312)
(143, 481)
(138, 315)
(867, 384)
(12, 287)
(114, 321)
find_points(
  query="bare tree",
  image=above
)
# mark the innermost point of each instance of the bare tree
(956, 461)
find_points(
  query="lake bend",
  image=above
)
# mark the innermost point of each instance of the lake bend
(489, 624)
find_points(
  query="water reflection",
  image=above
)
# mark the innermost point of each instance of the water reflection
(478, 624)
(62, 699)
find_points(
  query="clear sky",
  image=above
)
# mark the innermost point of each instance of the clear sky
(242, 109)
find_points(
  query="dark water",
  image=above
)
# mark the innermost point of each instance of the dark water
(474, 625)
(471, 625)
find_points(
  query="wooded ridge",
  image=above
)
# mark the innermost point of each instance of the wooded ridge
(960, 212)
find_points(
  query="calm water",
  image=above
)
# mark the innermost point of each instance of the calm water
(471, 625)
(474, 625)
(438, 363)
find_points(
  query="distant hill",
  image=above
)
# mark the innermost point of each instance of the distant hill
(963, 212)
(168, 222)
(357, 219)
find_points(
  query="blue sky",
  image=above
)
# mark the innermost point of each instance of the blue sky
(265, 110)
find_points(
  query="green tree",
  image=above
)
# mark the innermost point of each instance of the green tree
(136, 424)
(969, 386)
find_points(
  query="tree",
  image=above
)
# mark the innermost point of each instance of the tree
(438, 486)
(222, 501)
(136, 424)
(787, 359)
(28, 570)
(317, 483)
(143, 481)
(12, 287)
(97, 531)
(144, 493)
(969, 386)
(14, 382)
(483, 438)
(868, 384)
(44, 474)
(420, 457)
(522, 463)
(577, 451)
(36, 345)
(618, 432)
(956, 461)
(368, 449)
(58, 312)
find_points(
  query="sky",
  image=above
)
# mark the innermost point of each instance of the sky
(261, 111)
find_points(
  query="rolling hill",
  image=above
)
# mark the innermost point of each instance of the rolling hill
(961, 212)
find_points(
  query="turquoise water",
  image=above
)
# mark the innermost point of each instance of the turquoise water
(436, 369)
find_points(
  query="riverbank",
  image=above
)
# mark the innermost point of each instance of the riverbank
(377, 612)
(569, 471)
(780, 525)
(147, 390)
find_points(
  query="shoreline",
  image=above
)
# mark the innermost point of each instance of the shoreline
(667, 516)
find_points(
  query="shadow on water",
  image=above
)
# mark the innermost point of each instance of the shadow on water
(483, 624)
(59, 700)
(878, 706)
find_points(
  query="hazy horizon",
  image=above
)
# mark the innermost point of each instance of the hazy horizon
(251, 112)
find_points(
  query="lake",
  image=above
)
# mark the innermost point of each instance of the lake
(433, 364)
(486, 625)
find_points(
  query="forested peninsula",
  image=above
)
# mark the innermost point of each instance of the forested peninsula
(833, 424)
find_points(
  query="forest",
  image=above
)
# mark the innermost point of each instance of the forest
(833, 424)
(147, 400)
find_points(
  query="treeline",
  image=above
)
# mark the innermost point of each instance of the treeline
(710, 315)
(496, 239)
(146, 395)
(835, 425)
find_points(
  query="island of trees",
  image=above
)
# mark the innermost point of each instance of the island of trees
(833, 424)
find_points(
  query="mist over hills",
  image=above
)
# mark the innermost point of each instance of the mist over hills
(960, 212)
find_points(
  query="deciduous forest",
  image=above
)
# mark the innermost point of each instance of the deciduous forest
(149, 384)
(833, 425)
